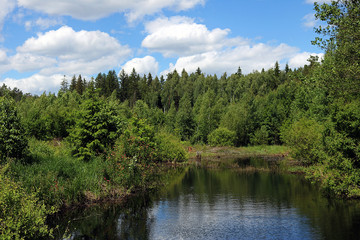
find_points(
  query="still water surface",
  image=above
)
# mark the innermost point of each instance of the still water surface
(222, 204)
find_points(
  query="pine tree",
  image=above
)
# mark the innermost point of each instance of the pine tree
(64, 85)
(13, 143)
(73, 83)
(80, 86)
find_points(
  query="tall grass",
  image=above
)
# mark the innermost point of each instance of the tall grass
(56, 176)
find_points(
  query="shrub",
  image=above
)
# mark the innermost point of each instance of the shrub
(131, 163)
(222, 137)
(13, 143)
(305, 140)
(169, 148)
(22, 215)
(260, 136)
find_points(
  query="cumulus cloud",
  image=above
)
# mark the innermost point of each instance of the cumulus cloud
(66, 44)
(24, 62)
(300, 59)
(3, 57)
(62, 51)
(36, 84)
(212, 50)
(181, 36)
(248, 57)
(145, 65)
(94, 9)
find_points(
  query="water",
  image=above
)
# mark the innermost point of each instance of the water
(222, 204)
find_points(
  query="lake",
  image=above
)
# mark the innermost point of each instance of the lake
(234, 203)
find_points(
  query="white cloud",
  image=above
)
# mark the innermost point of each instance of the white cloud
(212, 50)
(309, 20)
(181, 36)
(142, 66)
(42, 23)
(36, 84)
(6, 7)
(66, 44)
(300, 59)
(68, 51)
(248, 57)
(3, 57)
(94, 9)
(59, 52)
(24, 62)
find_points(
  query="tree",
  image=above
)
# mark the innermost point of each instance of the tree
(124, 85)
(207, 112)
(287, 68)
(111, 83)
(185, 119)
(13, 143)
(341, 40)
(80, 85)
(95, 128)
(239, 72)
(73, 84)
(236, 119)
(133, 88)
(277, 69)
(100, 83)
(64, 85)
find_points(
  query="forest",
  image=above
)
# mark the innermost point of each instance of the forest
(107, 135)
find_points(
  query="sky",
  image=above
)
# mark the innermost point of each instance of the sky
(41, 41)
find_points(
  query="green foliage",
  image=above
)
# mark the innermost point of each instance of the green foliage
(22, 215)
(57, 177)
(222, 137)
(138, 141)
(169, 148)
(207, 110)
(131, 163)
(185, 119)
(342, 42)
(260, 136)
(236, 119)
(305, 139)
(95, 129)
(13, 143)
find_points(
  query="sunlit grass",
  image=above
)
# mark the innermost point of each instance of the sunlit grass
(207, 151)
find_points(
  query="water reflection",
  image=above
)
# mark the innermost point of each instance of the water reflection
(222, 204)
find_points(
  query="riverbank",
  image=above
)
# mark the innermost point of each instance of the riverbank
(219, 157)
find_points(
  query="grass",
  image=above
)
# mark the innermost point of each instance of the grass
(57, 177)
(230, 152)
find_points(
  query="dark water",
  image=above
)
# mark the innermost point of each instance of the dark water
(222, 204)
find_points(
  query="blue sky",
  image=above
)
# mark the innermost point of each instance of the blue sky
(43, 40)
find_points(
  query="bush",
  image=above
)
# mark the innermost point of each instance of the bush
(131, 163)
(170, 148)
(13, 143)
(260, 136)
(305, 138)
(22, 215)
(222, 137)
